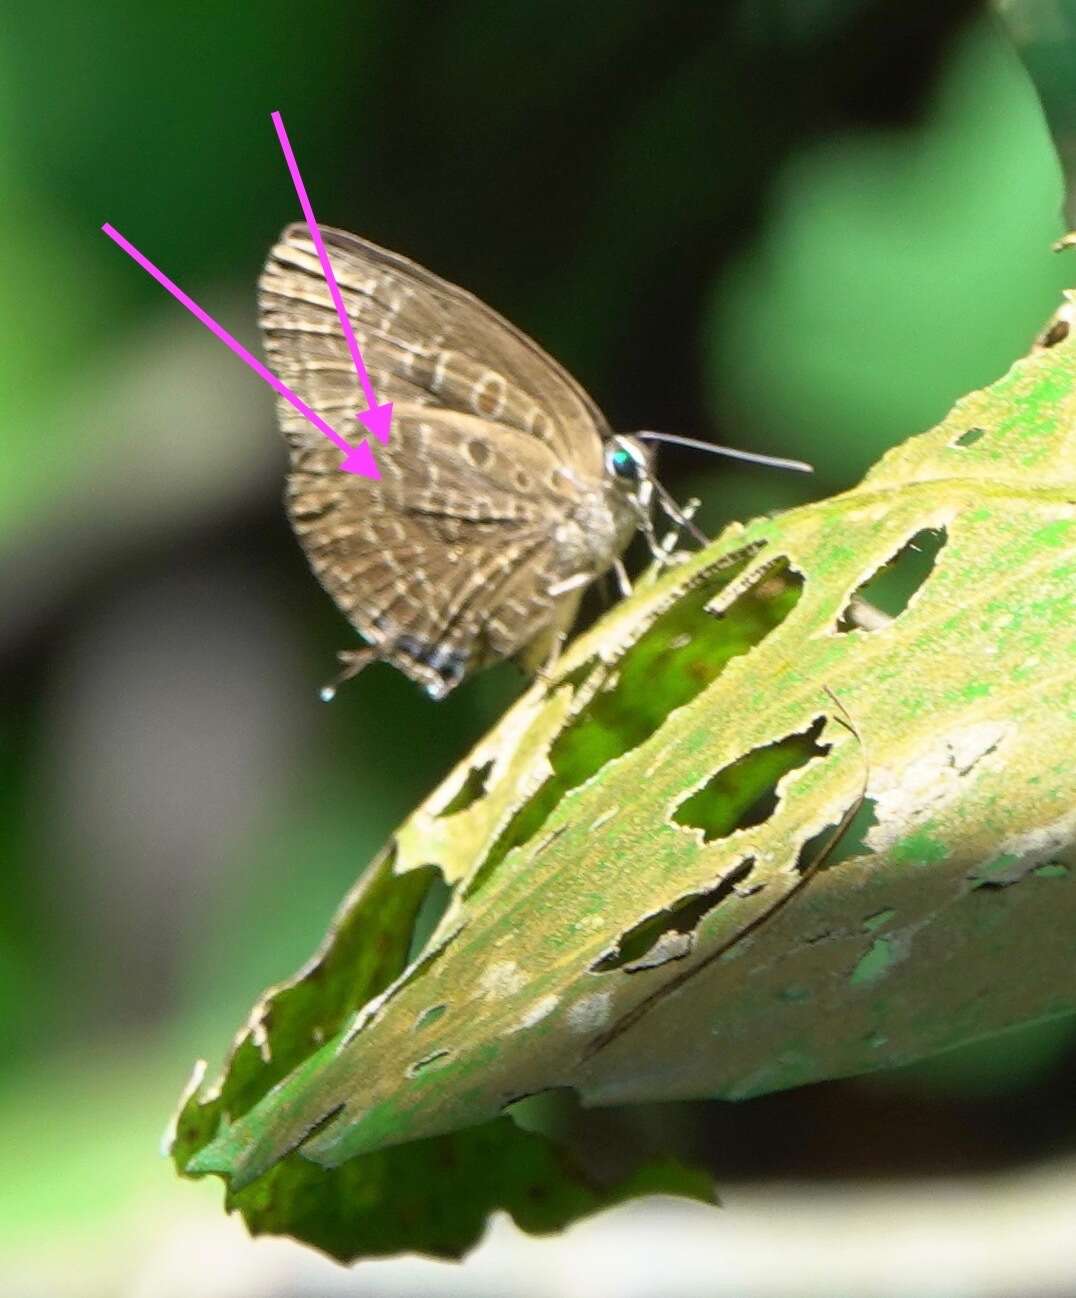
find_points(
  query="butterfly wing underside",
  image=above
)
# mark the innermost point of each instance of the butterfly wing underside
(448, 561)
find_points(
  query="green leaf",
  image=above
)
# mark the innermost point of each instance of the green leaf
(752, 833)
(432, 1195)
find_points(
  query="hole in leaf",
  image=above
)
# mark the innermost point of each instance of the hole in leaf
(472, 788)
(656, 936)
(970, 437)
(832, 844)
(853, 842)
(744, 793)
(811, 851)
(892, 586)
(430, 912)
(429, 1017)
(682, 653)
(434, 1057)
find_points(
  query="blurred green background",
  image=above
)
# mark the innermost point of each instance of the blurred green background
(798, 226)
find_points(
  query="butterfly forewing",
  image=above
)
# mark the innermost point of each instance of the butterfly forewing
(448, 561)
(424, 341)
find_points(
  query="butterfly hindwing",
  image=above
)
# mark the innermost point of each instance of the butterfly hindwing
(445, 574)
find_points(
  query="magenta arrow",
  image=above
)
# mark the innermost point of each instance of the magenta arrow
(357, 459)
(377, 417)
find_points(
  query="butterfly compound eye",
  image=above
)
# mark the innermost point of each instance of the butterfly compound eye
(623, 464)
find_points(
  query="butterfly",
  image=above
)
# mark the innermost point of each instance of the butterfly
(504, 492)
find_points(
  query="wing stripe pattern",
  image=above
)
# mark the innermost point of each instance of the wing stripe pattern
(445, 563)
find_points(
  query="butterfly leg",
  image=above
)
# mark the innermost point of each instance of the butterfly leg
(681, 516)
(544, 672)
(539, 656)
(354, 661)
(646, 526)
(623, 581)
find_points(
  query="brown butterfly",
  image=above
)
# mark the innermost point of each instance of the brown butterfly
(504, 492)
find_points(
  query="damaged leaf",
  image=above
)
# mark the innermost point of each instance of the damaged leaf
(613, 860)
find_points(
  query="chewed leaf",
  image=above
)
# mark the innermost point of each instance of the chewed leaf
(746, 779)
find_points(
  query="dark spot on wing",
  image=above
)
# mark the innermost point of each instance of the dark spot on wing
(478, 449)
(449, 664)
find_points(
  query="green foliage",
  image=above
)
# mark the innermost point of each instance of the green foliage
(698, 755)
(866, 231)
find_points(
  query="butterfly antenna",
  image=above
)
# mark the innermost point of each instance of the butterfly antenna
(751, 457)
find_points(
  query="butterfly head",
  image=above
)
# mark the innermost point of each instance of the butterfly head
(629, 469)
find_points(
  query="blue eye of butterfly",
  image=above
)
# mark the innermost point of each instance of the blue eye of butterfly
(624, 464)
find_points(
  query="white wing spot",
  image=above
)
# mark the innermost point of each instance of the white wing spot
(439, 368)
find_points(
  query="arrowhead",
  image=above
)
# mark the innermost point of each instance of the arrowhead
(378, 419)
(360, 460)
